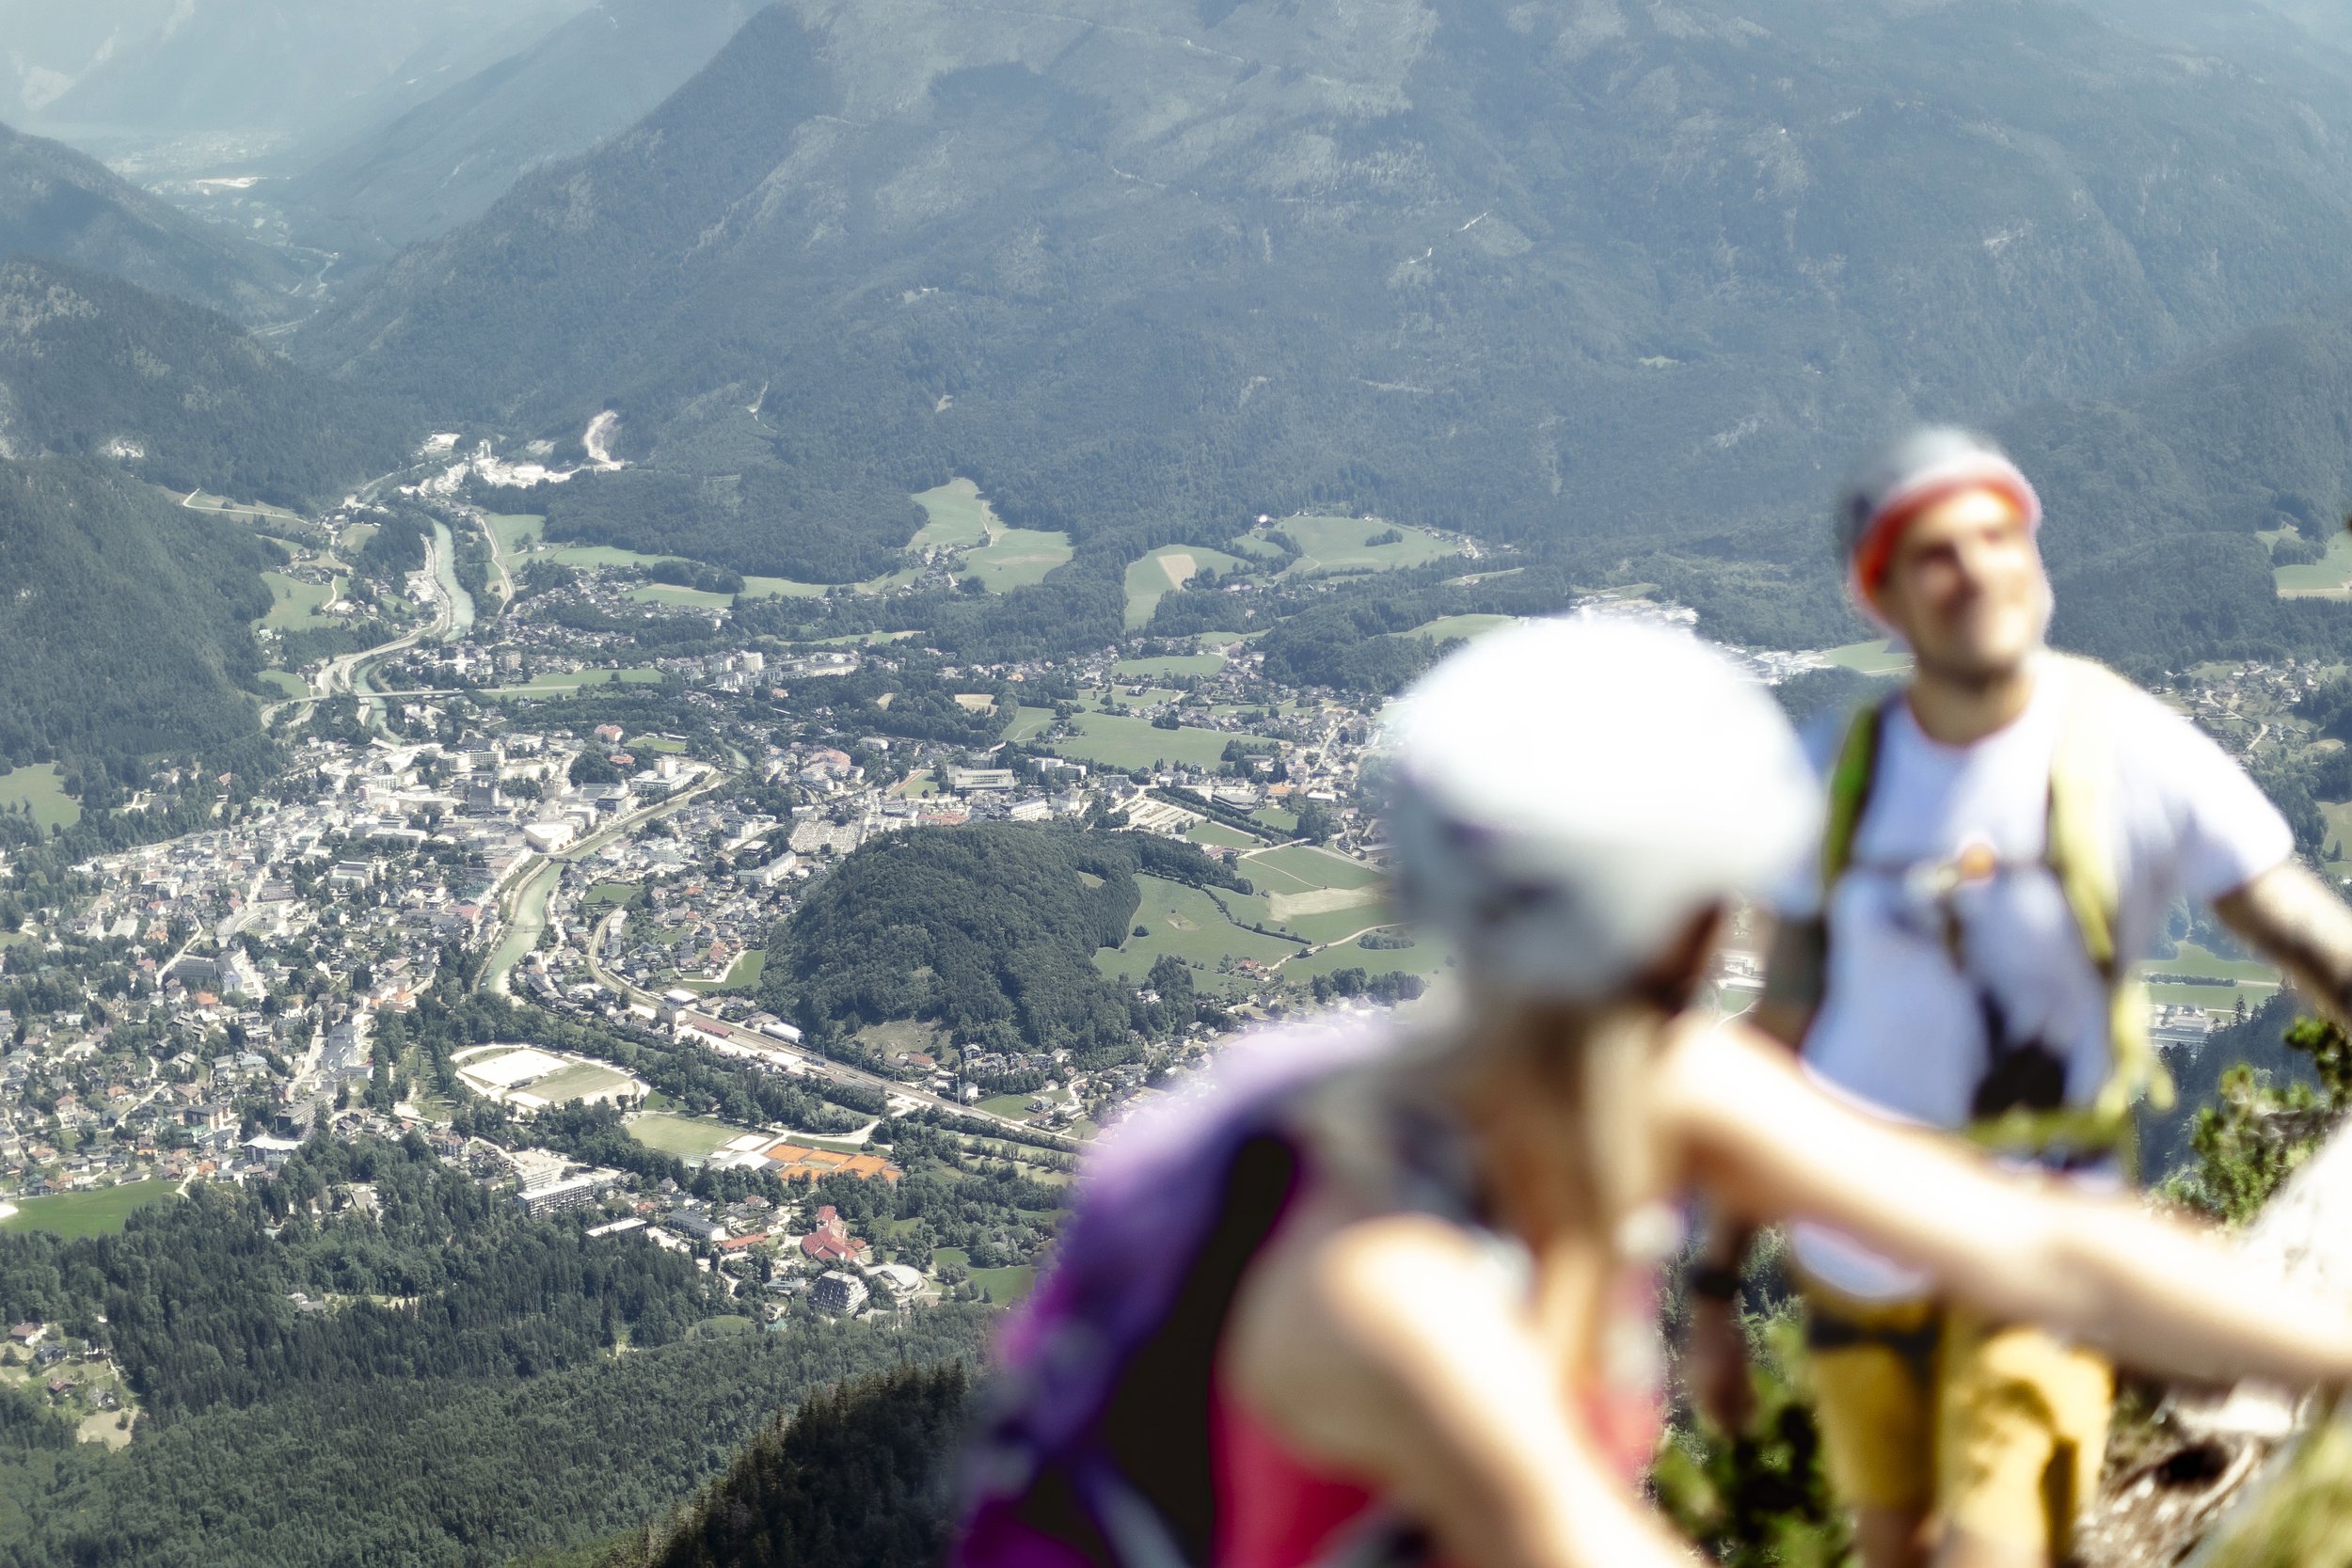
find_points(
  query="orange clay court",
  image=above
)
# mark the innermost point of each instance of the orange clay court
(797, 1161)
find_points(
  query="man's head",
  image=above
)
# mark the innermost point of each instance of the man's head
(1938, 534)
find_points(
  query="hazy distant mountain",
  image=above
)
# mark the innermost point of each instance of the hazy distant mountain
(446, 161)
(55, 203)
(1584, 272)
(91, 366)
(267, 69)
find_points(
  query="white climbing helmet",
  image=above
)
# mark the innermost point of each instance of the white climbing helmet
(1566, 794)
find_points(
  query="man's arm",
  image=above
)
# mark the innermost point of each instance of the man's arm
(1796, 974)
(2292, 916)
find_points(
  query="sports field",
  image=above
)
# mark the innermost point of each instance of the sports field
(1216, 835)
(1166, 569)
(1343, 544)
(97, 1212)
(1123, 740)
(36, 788)
(580, 1081)
(693, 1139)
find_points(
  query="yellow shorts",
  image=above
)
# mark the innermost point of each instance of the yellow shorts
(1995, 1430)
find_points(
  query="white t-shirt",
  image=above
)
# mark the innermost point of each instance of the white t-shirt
(1923, 972)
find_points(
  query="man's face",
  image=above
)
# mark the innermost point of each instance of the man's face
(1965, 588)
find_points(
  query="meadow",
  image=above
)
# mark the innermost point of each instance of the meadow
(99, 1212)
(37, 789)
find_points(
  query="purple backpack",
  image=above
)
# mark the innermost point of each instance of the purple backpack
(1096, 1453)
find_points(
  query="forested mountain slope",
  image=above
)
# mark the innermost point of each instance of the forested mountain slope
(125, 620)
(1581, 273)
(446, 161)
(55, 203)
(90, 366)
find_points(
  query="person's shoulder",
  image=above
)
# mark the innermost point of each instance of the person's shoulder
(2133, 716)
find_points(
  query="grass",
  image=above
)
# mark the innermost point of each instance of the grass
(98, 1212)
(780, 588)
(960, 516)
(2193, 960)
(1166, 569)
(1216, 835)
(1424, 959)
(354, 538)
(2330, 577)
(1170, 667)
(286, 682)
(1188, 922)
(1447, 626)
(670, 593)
(742, 976)
(1028, 722)
(199, 501)
(1124, 742)
(1017, 558)
(1882, 657)
(610, 893)
(1339, 544)
(1004, 1286)
(517, 532)
(690, 1138)
(36, 788)
(1303, 868)
(572, 680)
(576, 1081)
(294, 605)
(592, 556)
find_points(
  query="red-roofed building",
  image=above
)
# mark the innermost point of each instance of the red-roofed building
(830, 1243)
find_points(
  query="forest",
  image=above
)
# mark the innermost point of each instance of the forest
(93, 367)
(988, 931)
(127, 622)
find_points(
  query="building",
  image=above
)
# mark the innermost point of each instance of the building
(980, 780)
(841, 1295)
(560, 1197)
(831, 1241)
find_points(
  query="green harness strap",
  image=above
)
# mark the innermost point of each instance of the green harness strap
(2079, 852)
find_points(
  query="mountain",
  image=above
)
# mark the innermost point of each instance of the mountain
(446, 161)
(1615, 279)
(246, 75)
(55, 203)
(127, 618)
(93, 367)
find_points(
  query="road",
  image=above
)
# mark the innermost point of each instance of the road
(341, 674)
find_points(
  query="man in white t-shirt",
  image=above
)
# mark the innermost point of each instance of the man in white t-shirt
(2005, 839)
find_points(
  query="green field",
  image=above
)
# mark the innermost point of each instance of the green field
(742, 975)
(2330, 577)
(197, 501)
(98, 1212)
(1004, 1286)
(2196, 960)
(1216, 835)
(1166, 569)
(572, 680)
(1186, 922)
(692, 1139)
(1017, 558)
(294, 605)
(590, 556)
(780, 588)
(1122, 740)
(960, 516)
(286, 681)
(1304, 868)
(36, 788)
(610, 893)
(1168, 667)
(1337, 544)
(576, 1081)
(517, 532)
(1882, 657)
(1028, 722)
(670, 593)
(1448, 627)
(1424, 959)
